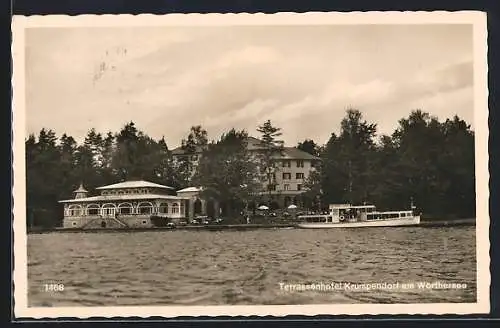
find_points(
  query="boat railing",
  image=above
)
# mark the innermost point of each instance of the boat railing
(305, 216)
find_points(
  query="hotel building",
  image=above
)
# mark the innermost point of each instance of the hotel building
(290, 171)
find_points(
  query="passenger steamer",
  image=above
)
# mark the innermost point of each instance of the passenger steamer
(348, 216)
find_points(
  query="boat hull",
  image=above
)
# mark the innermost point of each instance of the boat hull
(411, 221)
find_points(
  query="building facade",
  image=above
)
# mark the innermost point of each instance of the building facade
(129, 204)
(290, 171)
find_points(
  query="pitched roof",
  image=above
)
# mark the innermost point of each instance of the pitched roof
(190, 189)
(180, 151)
(256, 144)
(294, 153)
(121, 197)
(134, 184)
(80, 189)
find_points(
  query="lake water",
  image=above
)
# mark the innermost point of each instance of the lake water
(247, 267)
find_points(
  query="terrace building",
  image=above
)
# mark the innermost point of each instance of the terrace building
(132, 204)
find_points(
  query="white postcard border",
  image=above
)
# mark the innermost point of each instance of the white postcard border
(478, 19)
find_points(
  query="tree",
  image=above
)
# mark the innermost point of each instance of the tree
(44, 180)
(108, 151)
(227, 171)
(432, 162)
(138, 156)
(67, 148)
(195, 144)
(348, 172)
(126, 155)
(271, 147)
(310, 147)
(457, 162)
(436, 164)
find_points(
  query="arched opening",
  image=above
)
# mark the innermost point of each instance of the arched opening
(175, 208)
(75, 210)
(274, 205)
(211, 209)
(125, 209)
(93, 209)
(145, 208)
(103, 224)
(163, 208)
(197, 207)
(222, 209)
(108, 210)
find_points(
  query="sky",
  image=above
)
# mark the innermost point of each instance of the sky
(302, 78)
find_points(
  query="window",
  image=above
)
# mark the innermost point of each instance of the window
(125, 208)
(163, 208)
(74, 223)
(175, 208)
(299, 187)
(300, 163)
(271, 187)
(286, 187)
(75, 210)
(108, 210)
(104, 193)
(145, 208)
(287, 176)
(93, 209)
(144, 222)
(299, 175)
(286, 164)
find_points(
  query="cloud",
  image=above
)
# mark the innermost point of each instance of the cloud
(253, 55)
(167, 79)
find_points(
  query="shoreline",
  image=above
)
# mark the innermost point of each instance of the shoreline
(242, 227)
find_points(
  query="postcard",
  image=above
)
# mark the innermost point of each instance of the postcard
(250, 164)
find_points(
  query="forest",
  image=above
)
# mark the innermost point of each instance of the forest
(424, 159)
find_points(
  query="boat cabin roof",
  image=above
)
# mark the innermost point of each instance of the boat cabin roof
(391, 212)
(347, 206)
